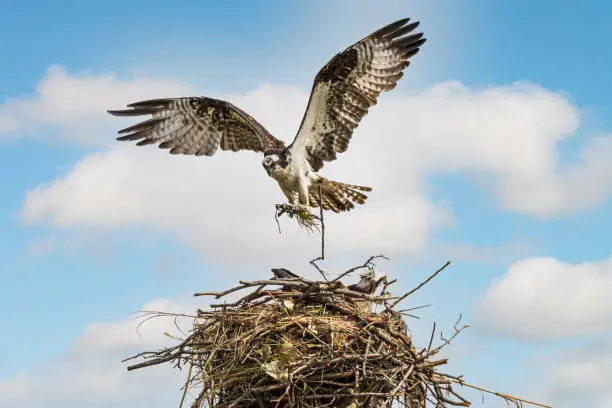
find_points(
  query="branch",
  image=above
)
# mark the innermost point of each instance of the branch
(186, 382)
(322, 225)
(499, 394)
(153, 362)
(366, 264)
(318, 268)
(221, 294)
(421, 284)
(247, 298)
(446, 342)
(399, 384)
(322, 257)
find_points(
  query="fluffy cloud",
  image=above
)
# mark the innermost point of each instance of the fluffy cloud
(507, 137)
(487, 254)
(586, 373)
(91, 373)
(578, 376)
(543, 298)
(187, 197)
(73, 106)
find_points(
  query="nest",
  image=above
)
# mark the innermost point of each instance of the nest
(292, 342)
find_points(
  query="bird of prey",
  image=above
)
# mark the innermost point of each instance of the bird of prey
(342, 93)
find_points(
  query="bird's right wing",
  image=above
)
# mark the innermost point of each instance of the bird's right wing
(196, 126)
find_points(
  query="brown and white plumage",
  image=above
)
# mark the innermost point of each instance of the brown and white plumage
(196, 126)
(348, 85)
(342, 93)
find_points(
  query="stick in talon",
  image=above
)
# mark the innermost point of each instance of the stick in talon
(304, 217)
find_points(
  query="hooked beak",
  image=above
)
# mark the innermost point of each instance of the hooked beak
(268, 169)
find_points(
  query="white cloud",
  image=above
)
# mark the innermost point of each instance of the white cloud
(544, 298)
(222, 216)
(91, 373)
(486, 254)
(577, 376)
(506, 136)
(73, 106)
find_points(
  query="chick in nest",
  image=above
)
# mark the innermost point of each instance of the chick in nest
(368, 283)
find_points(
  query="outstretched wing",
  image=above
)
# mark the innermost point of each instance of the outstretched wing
(348, 86)
(196, 126)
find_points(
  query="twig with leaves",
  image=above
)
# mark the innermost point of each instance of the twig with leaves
(303, 216)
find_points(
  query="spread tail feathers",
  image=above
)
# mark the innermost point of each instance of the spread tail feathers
(336, 196)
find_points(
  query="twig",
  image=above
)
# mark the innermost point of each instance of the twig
(413, 308)
(322, 224)
(399, 384)
(276, 215)
(499, 394)
(282, 396)
(221, 294)
(276, 282)
(318, 268)
(267, 388)
(365, 265)
(251, 296)
(322, 257)
(239, 400)
(153, 362)
(187, 382)
(354, 394)
(446, 342)
(433, 331)
(433, 275)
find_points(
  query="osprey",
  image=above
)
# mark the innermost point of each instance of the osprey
(341, 95)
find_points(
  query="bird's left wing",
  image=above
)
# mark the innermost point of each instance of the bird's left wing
(196, 126)
(348, 86)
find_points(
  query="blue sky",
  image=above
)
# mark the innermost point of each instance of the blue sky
(70, 261)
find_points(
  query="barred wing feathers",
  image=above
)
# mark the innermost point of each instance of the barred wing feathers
(196, 126)
(348, 86)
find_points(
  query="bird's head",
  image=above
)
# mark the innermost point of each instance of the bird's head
(276, 160)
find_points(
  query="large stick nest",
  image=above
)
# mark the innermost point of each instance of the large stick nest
(292, 342)
(300, 343)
